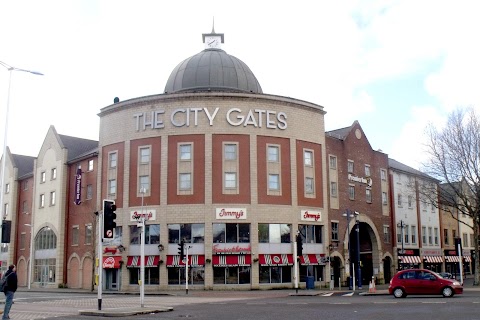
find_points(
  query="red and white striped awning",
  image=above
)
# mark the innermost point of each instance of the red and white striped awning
(452, 259)
(150, 261)
(455, 259)
(433, 259)
(240, 260)
(276, 259)
(193, 261)
(411, 259)
(312, 259)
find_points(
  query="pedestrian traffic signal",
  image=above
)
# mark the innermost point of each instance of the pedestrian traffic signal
(181, 246)
(6, 231)
(299, 245)
(109, 217)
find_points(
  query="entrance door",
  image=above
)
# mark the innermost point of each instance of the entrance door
(111, 279)
(44, 276)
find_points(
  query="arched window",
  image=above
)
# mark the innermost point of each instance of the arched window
(45, 239)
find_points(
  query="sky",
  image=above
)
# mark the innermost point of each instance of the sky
(395, 66)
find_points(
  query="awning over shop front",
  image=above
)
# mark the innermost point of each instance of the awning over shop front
(150, 261)
(452, 259)
(434, 259)
(111, 262)
(312, 259)
(411, 259)
(193, 261)
(455, 259)
(276, 259)
(232, 260)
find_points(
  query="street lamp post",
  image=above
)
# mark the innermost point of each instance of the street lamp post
(349, 215)
(142, 252)
(401, 225)
(10, 69)
(31, 255)
(359, 269)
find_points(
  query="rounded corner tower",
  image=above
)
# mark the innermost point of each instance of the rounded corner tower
(212, 70)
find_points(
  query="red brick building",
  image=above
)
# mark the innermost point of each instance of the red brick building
(358, 185)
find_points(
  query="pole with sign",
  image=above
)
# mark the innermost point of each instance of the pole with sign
(100, 259)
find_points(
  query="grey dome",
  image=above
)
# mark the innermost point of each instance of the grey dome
(212, 70)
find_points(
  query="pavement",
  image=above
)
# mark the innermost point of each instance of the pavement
(129, 311)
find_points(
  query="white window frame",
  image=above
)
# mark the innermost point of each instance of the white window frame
(350, 166)
(112, 160)
(308, 158)
(185, 181)
(185, 151)
(112, 186)
(368, 172)
(230, 151)
(333, 162)
(145, 155)
(42, 201)
(90, 165)
(274, 181)
(309, 185)
(230, 180)
(333, 189)
(53, 174)
(53, 198)
(273, 153)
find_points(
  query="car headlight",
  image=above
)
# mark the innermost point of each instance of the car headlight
(456, 283)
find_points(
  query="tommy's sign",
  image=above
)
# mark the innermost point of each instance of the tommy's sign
(367, 181)
(311, 215)
(147, 214)
(231, 213)
(187, 117)
(231, 248)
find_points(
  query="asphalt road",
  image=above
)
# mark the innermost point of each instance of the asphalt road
(260, 305)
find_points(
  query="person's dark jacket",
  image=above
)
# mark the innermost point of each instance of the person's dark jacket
(12, 280)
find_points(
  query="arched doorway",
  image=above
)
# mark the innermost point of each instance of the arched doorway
(364, 250)
(387, 269)
(336, 266)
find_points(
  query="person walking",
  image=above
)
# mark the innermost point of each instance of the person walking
(12, 283)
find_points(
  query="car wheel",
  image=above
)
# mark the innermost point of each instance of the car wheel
(447, 292)
(399, 293)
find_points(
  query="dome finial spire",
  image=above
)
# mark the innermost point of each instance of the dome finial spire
(213, 25)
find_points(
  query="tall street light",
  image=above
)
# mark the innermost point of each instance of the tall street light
(359, 269)
(10, 69)
(401, 225)
(349, 215)
(31, 255)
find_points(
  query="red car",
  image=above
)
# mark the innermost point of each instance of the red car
(422, 281)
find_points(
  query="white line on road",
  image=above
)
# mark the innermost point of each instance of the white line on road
(327, 294)
(348, 294)
(433, 302)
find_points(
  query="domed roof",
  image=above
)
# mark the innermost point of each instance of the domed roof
(212, 70)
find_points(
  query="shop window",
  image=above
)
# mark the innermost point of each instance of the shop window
(188, 232)
(274, 233)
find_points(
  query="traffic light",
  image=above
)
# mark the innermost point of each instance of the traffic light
(299, 245)
(181, 246)
(6, 230)
(109, 217)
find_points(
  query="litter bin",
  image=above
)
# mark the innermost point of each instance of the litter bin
(310, 282)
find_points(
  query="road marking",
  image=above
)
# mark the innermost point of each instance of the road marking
(340, 303)
(384, 302)
(327, 294)
(348, 294)
(433, 302)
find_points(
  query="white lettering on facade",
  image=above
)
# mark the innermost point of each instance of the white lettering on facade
(367, 181)
(185, 117)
